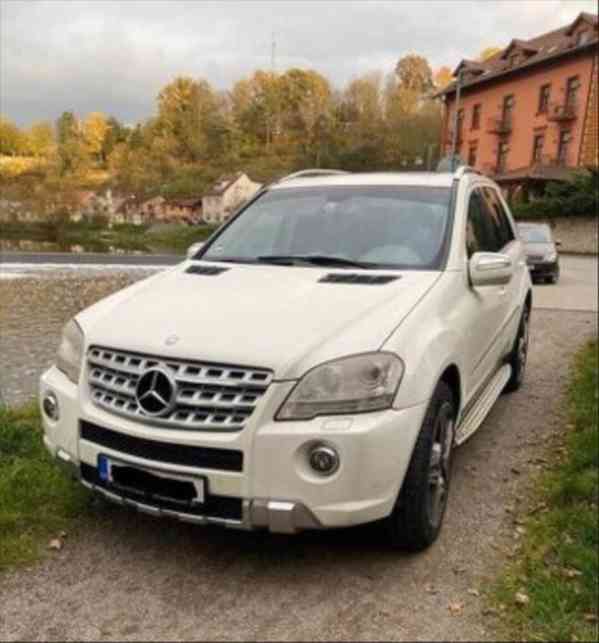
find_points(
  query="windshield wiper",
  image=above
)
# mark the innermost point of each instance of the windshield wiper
(316, 260)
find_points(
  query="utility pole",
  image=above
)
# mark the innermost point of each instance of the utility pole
(454, 133)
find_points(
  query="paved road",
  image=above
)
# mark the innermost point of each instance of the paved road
(576, 289)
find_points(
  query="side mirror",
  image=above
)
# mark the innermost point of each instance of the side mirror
(194, 248)
(490, 269)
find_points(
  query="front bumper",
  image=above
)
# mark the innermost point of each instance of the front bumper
(275, 488)
(543, 268)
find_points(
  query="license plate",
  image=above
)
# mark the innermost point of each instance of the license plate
(158, 484)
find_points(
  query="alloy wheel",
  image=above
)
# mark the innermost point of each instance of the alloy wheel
(440, 464)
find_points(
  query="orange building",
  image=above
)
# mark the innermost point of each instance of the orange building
(529, 113)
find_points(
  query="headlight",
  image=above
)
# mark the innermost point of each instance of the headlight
(551, 256)
(70, 351)
(354, 384)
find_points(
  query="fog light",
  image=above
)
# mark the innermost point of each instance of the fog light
(50, 406)
(324, 459)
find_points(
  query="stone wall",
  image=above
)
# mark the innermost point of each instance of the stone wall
(577, 234)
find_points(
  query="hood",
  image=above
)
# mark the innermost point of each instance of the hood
(277, 317)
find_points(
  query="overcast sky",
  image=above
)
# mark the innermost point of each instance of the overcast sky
(108, 56)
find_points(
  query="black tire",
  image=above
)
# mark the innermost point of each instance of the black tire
(418, 514)
(519, 354)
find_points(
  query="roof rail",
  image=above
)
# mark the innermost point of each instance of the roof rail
(464, 169)
(304, 174)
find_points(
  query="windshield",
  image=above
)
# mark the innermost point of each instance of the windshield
(382, 226)
(535, 234)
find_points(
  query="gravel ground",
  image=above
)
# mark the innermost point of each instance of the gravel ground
(33, 310)
(127, 576)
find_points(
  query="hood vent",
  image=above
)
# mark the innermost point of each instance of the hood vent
(357, 278)
(208, 271)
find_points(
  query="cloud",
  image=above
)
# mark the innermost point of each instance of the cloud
(115, 56)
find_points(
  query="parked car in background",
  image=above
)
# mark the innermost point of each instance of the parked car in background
(311, 366)
(541, 251)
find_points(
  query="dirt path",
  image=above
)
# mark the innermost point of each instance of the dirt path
(131, 577)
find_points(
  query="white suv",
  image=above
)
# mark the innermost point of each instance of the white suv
(311, 366)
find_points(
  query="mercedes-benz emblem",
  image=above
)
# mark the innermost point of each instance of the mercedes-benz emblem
(156, 392)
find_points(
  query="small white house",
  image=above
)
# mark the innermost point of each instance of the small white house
(228, 193)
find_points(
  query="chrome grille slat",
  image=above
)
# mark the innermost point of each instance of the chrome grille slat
(210, 396)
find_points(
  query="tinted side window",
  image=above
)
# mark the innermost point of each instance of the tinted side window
(481, 232)
(499, 216)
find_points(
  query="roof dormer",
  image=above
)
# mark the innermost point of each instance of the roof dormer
(469, 69)
(517, 52)
(583, 22)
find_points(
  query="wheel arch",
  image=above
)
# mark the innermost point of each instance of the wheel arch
(451, 376)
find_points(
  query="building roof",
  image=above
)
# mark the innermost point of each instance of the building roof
(223, 184)
(546, 47)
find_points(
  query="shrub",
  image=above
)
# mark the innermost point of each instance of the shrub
(575, 198)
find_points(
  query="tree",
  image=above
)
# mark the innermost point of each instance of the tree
(442, 77)
(414, 73)
(488, 52)
(66, 127)
(40, 139)
(116, 133)
(95, 129)
(12, 140)
(412, 83)
(188, 117)
(72, 153)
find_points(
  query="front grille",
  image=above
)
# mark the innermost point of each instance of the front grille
(223, 507)
(534, 258)
(209, 396)
(167, 452)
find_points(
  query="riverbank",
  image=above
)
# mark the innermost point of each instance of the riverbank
(90, 237)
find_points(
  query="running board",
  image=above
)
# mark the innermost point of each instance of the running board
(471, 423)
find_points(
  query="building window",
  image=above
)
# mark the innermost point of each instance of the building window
(582, 38)
(460, 124)
(502, 151)
(537, 147)
(572, 87)
(544, 95)
(476, 116)
(564, 143)
(472, 155)
(508, 109)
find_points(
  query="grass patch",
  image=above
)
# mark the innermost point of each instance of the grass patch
(37, 500)
(558, 567)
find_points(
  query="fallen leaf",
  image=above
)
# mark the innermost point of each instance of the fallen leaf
(430, 589)
(456, 608)
(571, 573)
(521, 599)
(55, 544)
(63, 534)
(540, 507)
(490, 611)
(473, 592)
(515, 471)
(520, 530)
(590, 618)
